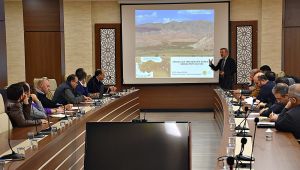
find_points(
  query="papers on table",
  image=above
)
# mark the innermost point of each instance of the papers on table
(253, 115)
(266, 124)
(60, 115)
(89, 102)
(76, 108)
(249, 100)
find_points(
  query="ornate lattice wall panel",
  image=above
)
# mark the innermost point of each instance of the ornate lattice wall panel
(243, 53)
(108, 55)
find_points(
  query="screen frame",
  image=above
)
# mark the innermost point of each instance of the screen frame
(174, 3)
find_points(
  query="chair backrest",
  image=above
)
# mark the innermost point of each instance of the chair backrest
(4, 119)
(53, 86)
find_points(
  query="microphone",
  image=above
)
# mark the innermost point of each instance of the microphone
(240, 156)
(66, 117)
(13, 156)
(230, 162)
(256, 120)
(139, 120)
(48, 130)
(37, 134)
(144, 120)
(239, 112)
(238, 127)
(242, 129)
(252, 105)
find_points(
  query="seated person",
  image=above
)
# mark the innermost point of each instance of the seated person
(265, 68)
(265, 96)
(253, 89)
(287, 80)
(18, 106)
(95, 84)
(290, 120)
(81, 88)
(270, 75)
(43, 87)
(37, 109)
(65, 93)
(280, 92)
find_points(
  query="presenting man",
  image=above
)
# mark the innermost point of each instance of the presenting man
(227, 69)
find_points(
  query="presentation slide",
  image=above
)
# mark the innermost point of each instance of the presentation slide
(172, 43)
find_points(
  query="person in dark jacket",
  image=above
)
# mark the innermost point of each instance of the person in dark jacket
(65, 93)
(265, 95)
(280, 92)
(95, 84)
(227, 69)
(42, 89)
(290, 120)
(81, 88)
(18, 106)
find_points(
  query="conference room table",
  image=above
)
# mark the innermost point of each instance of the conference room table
(65, 148)
(282, 153)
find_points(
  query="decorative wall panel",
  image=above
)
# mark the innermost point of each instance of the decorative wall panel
(108, 55)
(244, 53)
(244, 49)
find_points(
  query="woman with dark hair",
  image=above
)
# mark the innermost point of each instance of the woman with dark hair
(37, 109)
(18, 106)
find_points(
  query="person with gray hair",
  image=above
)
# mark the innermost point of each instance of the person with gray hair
(290, 120)
(280, 91)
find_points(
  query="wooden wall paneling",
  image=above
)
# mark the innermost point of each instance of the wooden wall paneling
(44, 39)
(291, 13)
(291, 37)
(183, 97)
(42, 15)
(43, 55)
(291, 51)
(3, 56)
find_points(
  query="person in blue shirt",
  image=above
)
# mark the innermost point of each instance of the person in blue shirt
(81, 87)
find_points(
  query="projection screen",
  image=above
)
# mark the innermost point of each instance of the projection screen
(172, 43)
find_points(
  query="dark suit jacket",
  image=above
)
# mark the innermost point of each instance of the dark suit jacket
(289, 121)
(266, 95)
(276, 108)
(227, 81)
(95, 86)
(64, 94)
(47, 103)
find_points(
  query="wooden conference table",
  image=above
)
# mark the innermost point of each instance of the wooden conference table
(65, 149)
(283, 152)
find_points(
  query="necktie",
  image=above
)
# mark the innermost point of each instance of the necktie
(223, 64)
